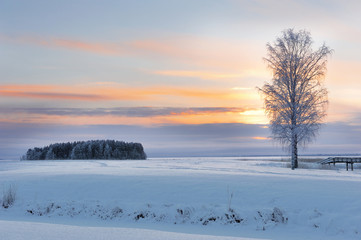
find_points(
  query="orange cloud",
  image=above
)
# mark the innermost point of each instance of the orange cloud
(187, 92)
(261, 138)
(197, 74)
(61, 116)
(103, 93)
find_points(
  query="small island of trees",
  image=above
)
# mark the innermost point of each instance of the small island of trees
(94, 149)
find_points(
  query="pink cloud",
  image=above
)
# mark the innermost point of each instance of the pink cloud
(93, 47)
(195, 51)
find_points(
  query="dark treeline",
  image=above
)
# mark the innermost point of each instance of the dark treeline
(95, 149)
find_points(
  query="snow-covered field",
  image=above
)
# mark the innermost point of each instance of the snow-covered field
(182, 198)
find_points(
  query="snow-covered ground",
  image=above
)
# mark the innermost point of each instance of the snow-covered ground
(181, 198)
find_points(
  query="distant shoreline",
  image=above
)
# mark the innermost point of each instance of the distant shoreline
(241, 157)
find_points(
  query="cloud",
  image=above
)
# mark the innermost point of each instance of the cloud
(70, 44)
(261, 138)
(206, 52)
(105, 83)
(192, 50)
(50, 95)
(146, 116)
(198, 74)
(104, 92)
(101, 48)
(124, 111)
(223, 139)
(45, 92)
(226, 139)
(241, 88)
(116, 94)
(165, 140)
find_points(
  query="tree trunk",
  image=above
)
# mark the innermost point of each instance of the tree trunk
(294, 160)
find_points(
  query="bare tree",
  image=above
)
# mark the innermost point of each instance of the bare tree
(295, 101)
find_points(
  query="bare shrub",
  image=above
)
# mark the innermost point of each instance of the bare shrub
(9, 196)
(230, 197)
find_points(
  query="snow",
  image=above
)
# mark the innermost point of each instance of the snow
(179, 198)
(35, 231)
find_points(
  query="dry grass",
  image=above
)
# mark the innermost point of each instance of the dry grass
(302, 160)
(9, 196)
(310, 160)
(313, 165)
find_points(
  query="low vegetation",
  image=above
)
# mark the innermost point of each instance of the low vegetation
(9, 196)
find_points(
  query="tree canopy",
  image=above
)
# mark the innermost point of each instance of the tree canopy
(94, 149)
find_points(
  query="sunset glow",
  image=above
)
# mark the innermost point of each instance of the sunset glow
(163, 64)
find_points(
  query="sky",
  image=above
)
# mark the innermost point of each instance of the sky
(180, 77)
